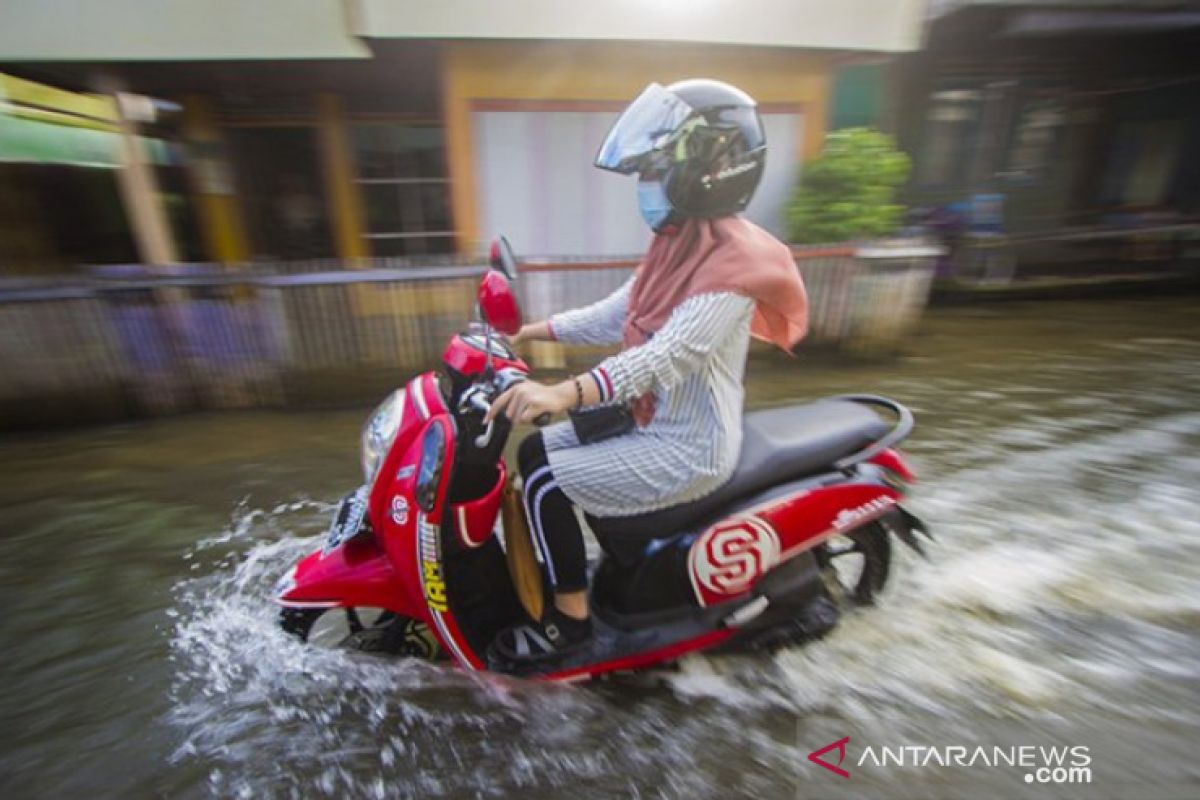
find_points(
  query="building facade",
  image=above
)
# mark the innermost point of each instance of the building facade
(353, 129)
(1068, 114)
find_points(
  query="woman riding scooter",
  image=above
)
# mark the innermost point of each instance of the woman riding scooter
(669, 428)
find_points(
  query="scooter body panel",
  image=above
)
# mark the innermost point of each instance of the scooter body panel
(356, 574)
(380, 567)
(729, 558)
(893, 461)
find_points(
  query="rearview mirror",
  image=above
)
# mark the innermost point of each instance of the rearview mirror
(502, 258)
(497, 303)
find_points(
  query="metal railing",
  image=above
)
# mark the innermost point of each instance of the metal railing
(1082, 253)
(75, 348)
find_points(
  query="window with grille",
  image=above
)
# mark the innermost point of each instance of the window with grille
(402, 173)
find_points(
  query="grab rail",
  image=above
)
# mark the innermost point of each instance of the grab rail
(901, 430)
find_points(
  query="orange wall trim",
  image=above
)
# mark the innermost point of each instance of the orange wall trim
(602, 75)
(340, 170)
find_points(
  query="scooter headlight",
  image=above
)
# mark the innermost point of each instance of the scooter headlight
(380, 431)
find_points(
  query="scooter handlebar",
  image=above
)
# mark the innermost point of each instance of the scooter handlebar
(508, 378)
(479, 402)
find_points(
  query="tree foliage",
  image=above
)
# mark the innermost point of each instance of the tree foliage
(848, 192)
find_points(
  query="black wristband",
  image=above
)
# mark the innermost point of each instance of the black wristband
(578, 392)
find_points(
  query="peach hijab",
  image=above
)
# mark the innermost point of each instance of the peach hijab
(728, 254)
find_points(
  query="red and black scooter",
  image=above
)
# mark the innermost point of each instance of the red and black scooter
(802, 530)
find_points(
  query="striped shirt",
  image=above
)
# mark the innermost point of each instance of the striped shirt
(694, 366)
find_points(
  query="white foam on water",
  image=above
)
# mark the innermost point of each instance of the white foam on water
(1023, 556)
(274, 717)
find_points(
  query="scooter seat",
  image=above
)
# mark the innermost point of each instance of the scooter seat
(778, 445)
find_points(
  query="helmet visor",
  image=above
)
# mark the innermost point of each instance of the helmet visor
(643, 127)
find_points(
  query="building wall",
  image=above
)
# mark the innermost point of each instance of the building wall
(175, 30)
(858, 96)
(878, 25)
(480, 73)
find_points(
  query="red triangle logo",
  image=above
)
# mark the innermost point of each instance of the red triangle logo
(840, 746)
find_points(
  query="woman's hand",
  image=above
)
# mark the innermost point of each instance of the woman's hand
(529, 400)
(533, 332)
(515, 339)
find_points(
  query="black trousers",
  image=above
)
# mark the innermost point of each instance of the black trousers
(553, 524)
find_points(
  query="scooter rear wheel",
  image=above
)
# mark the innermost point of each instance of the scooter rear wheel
(856, 564)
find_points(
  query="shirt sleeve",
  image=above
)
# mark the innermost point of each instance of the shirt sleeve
(679, 349)
(599, 323)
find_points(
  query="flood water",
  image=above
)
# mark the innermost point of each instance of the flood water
(1059, 450)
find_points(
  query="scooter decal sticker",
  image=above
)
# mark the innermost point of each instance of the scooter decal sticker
(400, 510)
(730, 557)
(431, 566)
(434, 587)
(851, 517)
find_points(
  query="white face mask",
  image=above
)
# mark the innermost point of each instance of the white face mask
(653, 203)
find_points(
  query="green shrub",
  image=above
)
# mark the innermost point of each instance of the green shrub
(847, 192)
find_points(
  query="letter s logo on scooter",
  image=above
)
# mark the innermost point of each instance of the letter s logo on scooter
(730, 557)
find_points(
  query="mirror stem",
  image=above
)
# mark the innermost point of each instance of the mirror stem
(489, 370)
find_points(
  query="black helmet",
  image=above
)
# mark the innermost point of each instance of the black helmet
(698, 147)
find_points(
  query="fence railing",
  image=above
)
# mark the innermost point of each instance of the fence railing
(108, 348)
(1082, 253)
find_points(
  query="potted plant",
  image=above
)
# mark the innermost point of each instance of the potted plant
(868, 290)
(848, 193)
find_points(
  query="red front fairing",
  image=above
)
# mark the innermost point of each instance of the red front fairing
(375, 569)
(356, 574)
(401, 531)
(416, 550)
(399, 565)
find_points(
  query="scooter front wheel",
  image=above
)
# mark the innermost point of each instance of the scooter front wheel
(388, 634)
(298, 622)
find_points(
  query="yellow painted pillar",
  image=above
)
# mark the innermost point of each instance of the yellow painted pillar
(456, 113)
(213, 188)
(341, 191)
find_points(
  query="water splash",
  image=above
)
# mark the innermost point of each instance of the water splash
(1065, 585)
